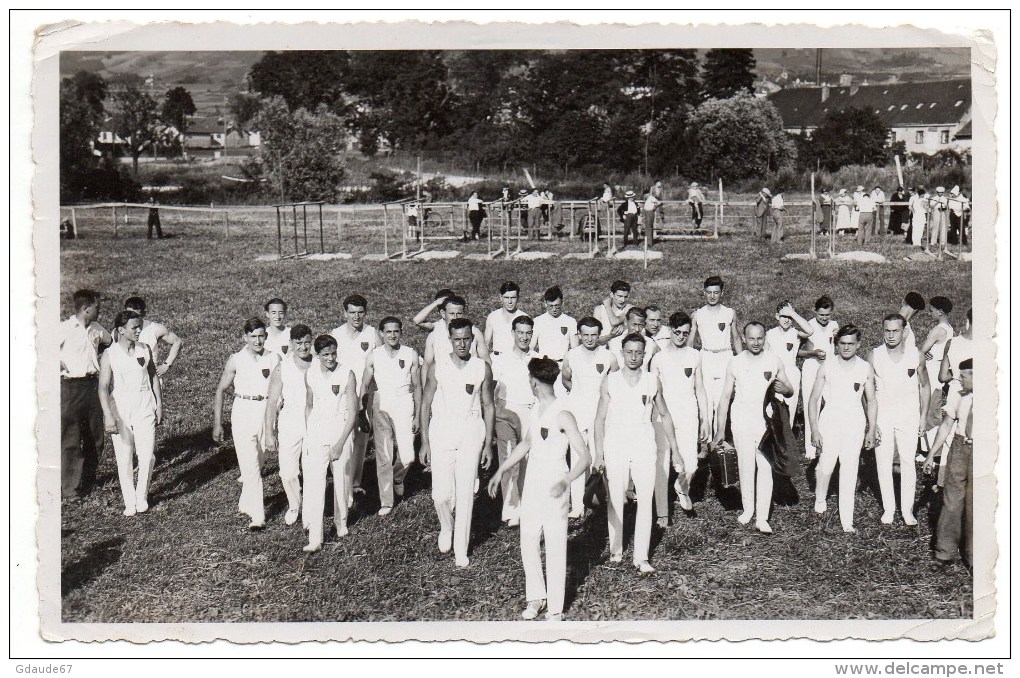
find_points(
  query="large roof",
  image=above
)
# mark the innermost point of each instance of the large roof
(205, 126)
(943, 102)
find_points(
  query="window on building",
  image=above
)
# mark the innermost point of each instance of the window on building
(919, 137)
(944, 136)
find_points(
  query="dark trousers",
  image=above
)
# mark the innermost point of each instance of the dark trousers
(154, 223)
(763, 223)
(476, 217)
(630, 227)
(955, 533)
(696, 215)
(956, 231)
(826, 218)
(81, 434)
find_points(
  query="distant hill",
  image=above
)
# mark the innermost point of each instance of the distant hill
(210, 76)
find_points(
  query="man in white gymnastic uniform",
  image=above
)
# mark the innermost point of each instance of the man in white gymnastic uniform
(784, 340)
(391, 371)
(514, 398)
(583, 370)
(819, 347)
(355, 340)
(625, 446)
(153, 333)
(285, 415)
(903, 394)
(655, 328)
(635, 325)
(748, 378)
(678, 367)
(612, 312)
(555, 333)
(715, 326)
(278, 337)
(438, 341)
(457, 416)
(498, 332)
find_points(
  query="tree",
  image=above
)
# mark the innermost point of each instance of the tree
(852, 136)
(136, 121)
(81, 118)
(302, 153)
(243, 107)
(727, 72)
(304, 79)
(737, 138)
(177, 106)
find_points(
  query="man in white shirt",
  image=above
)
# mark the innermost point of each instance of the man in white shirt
(278, 333)
(913, 304)
(612, 312)
(438, 341)
(784, 340)
(655, 329)
(355, 340)
(555, 333)
(635, 325)
(498, 333)
(153, 333)
(778, 212)
(715, 326)
(696, 199)
(534, 203)
(81, 415)
(939, 225)
(865, 205)
(878, 196)
(652, 204)
(628, 212)
(514, 399)
(959, 205)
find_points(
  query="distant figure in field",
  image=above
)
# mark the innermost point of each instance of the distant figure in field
(878, 196)
(826, 203)
(899, 215)
(778, 209)
(696, 199)
(843, 215)
(918, 216)
(763, 210)
(153, 220)
(628, 212)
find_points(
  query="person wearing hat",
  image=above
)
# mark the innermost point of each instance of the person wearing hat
(628, 212)
(522, 208)
(898, 214)
(534, 202)
(763, 210)
(939, 206)
(826, 211)
(865, 209)
(878, 196)
(959, 205)
(855, 212)
(918, 215)
(696, 199)
(778, 209)
(843, 215)
(652, 205)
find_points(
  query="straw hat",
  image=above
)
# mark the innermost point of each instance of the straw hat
(940, 189)
(860, 188)
(628, 194)
(694, 184)
(767, 192)
(523, 191)
(842, 191)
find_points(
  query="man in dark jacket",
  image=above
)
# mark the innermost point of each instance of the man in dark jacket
(898, 213)
(628, 212)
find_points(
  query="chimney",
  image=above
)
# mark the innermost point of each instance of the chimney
(825, 92)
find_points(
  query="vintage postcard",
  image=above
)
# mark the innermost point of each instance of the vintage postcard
(457, 331)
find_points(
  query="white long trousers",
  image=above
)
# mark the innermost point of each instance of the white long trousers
(512, 481)
(247, 422)
(143, 428)
(543, 516)
(900, 443)
(807, 380)
(456, 450)
(842, 438)
(291, 442)
(630, 457)
(316, 466)
(393, 429)
(748, 426)
(685, 422)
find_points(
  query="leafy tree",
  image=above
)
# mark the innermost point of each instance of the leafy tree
(852, 136)
(737, 138)
(136, 121)
(302, 153)
(727, 72)
(81, 118)
(177, 106)
(304, 79)
(243, 107)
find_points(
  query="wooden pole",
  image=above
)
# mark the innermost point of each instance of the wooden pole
(115, 234)
(386, 231)
(226, 223)
(339, 230)
(279, 233)
(74, 224)
(719, 212)
(814, 255)
(322, 236)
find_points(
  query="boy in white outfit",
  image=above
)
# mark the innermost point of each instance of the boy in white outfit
(715, 326)
(391, 371)
(815, 351)
(784, 341)
(545, 499)
(457, 415)
(625, 446)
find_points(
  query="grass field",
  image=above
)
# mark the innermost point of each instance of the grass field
(192, 559)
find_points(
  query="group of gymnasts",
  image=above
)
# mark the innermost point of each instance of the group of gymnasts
(623, 392)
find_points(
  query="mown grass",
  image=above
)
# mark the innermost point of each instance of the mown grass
(192, 559)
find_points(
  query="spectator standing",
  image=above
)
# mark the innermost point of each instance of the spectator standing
(81, 415)
(763, 210)
(696, 199)
(778, 209)
(153, 220)
(855, 213)
(878, 196)
(628, 212)
(899, 215)
(918, 216)
(826, 216)
(652, 205)
(476, 213)
(939, 223)
(959, 206)
(844, 205)
(865, 207)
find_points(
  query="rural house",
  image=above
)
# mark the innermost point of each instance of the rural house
(927, 116)
(208, 133)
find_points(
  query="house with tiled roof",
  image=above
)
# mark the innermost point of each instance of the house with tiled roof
(211, 133)
(926, 116)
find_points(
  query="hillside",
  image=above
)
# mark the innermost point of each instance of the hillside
(210, 76)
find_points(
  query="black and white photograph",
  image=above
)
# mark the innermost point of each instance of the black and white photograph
(356, 335)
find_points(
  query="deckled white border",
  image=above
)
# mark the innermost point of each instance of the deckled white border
(119, 36)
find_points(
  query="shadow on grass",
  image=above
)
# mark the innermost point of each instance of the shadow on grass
(584, 551)
(216, 461)
(99, 557)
